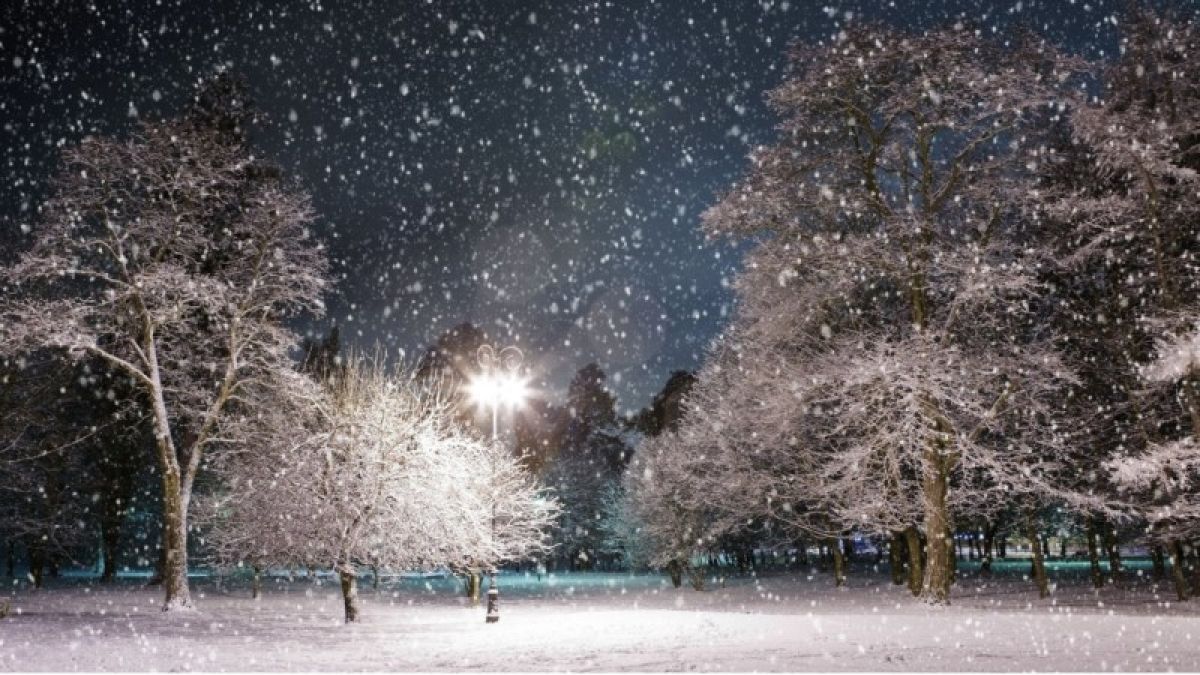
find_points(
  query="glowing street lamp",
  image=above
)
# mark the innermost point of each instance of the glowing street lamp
(499, 383)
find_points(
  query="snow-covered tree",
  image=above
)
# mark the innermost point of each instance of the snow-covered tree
(667, 507)
(372, 468)
(886, 368)
(1123, 193)
(621, 528)
(173, 255)
(504, 514)
(331, 483)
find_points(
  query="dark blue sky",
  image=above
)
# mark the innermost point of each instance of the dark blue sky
(537, 168)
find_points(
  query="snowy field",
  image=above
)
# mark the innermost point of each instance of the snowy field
(603, 622)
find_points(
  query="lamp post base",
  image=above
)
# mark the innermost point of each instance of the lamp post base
(493, 601)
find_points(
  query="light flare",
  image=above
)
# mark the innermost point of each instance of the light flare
(496, 390)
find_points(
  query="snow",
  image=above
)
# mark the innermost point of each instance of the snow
(778, 622)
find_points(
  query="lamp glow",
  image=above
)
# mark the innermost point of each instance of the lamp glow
(493, 390)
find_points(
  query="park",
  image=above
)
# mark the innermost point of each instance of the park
(552, 336)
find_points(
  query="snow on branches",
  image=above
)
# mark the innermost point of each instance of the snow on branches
(371, 468)
(886, 368)
(173, 256)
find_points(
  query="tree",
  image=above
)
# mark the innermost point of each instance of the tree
(339, 494)
(666, 409)
(505, 514)
(888, 338)
(592, 458)
(540, 430)
(621, 526)
(53, 424)
(322, 357)
(1124, 196)
(116, 473)
(112, 438)
(453, 355)
(173, 256)
(381, 475)
(670, 520)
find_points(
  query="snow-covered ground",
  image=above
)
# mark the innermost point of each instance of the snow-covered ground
(779, 621)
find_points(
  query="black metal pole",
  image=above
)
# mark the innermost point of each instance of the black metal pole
(493, 594)
(493, 606)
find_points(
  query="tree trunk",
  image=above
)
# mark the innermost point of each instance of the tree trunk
(848, 549)
(1181, 585)
(1094, 554)
(896, 558)
(1002, 547)
(1039, 561)
(375, 577)
(988, 544)
(1114, 553)
(474, 586)
(10, 562)
(675, 570)
(1158, 562)
(935, 483)
(110, 538)
(256, 587)
(916, 574)
(175, 561)
(802, 552)
(1195, 569)
(37, 565)
(349, 592)
(952, 554)
(839, 563)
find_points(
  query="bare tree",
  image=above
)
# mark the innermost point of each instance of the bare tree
(51, 425)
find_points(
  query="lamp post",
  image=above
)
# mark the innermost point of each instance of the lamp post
(498, 383)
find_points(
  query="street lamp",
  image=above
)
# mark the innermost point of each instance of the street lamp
(499, 383)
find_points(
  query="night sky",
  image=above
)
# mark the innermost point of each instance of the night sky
(537, 168)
